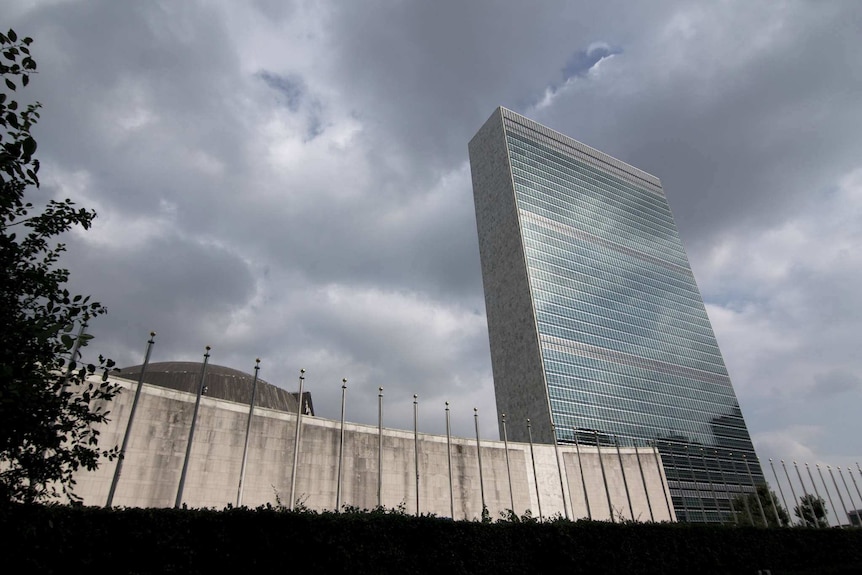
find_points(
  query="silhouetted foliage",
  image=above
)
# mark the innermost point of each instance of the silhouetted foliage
(47, 406)
(812, 511)
(748, 512)
(67, 539)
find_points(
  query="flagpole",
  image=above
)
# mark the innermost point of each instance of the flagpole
(711, 484)
(560, 471)
(817, 493)
(696, 483)
(380, 447)
(723, 480)
(856, 485)
(838, 491)
(239, 489)
(296, 437)
(604, 477)
(849, 494)
(416, 446)
(449, 459)
(643, 480)
(583, 479)
(182, 485)
(664, 489)
(122, 455)
(535, 475)
(771, 497)
(508, 468)
(672, 452)
(796, 502)
(807, 498)
(829, 495)
(340, 449)
(479, 454)
(744, 495)
(625, 481)
(780, 491)
(756, 496)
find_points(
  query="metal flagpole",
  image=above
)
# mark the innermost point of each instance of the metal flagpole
(744, 495)
(179, 499)
(416, 445)
(625, 481)
(724, 481)
(583, 479)
(696, 483)
(247, 433)
(849, 494)
(604, 477)
(771, 497)
(341, 448)
(479, 455)
(856, 485)
(807, 498)
(535, 475)
(828, 495)
(643, 480)
(679, 482)
(449, 459)
(560, 470)
(296, 442)
(664, 489)
(780, 491)
(380, 447)
(709, 480)
(796, 502)
(122, 455)
(817, 493)
(508, 468)
(838, 491)
(756, 496)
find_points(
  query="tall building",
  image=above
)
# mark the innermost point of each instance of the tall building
(598, 331)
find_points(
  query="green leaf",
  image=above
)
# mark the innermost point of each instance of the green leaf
(12, 35)
(9, 84)
(67, 340)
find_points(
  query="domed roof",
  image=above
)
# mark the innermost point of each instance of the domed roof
(221, 382)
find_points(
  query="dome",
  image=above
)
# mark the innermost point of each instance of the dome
(221, 382)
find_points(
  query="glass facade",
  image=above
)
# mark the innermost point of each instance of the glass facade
(627, 350)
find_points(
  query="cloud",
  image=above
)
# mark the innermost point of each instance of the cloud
(290, 181)
(836, 381)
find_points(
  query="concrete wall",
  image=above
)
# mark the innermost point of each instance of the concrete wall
(154, 459)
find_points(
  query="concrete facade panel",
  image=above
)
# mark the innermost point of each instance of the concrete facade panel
(154, 460)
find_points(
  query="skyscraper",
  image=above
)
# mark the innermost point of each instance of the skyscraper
(598, 331)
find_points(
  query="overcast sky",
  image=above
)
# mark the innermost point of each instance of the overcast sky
(289, 180)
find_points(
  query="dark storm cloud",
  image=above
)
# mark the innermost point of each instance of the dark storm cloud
(181, 288)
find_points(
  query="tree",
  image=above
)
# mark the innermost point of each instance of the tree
(812, 511)
(48, 403)
(747, 510)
